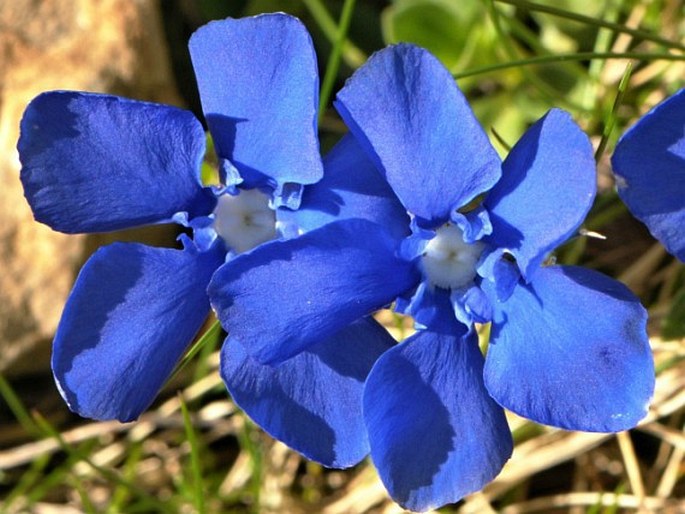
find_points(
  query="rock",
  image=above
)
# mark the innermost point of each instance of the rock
(114, 46)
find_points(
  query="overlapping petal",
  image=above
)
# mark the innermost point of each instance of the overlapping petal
(409, 115)
(570, 349)
(95, 163)
(128, 320)
(435, 433)
(287, 295)
(258, 83)
(351, 187)
(649, 163)
(312, 402)
(547, 187)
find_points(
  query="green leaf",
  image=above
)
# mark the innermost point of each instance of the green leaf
(441, 26)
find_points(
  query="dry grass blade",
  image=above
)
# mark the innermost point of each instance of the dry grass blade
(623, 501)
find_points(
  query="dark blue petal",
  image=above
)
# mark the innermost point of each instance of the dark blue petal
(259, 86)
(570, 349)
(351, 187)
(547, 187)
(649, 163)
(95, 163)
(132, 313)
(312, 402)
(284, 296)
(408, 113)
(435, 433)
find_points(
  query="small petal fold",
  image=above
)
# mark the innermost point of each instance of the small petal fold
(312, 402)
(649, 163)
(435, 433)
(570, 349)
(259, 87)
(284, 296)
(406, 110)
(351, 187)
(547, 187)
(96, 163)
(132, 313)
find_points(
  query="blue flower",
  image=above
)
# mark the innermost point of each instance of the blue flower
(649, 165)
(453, 236)
(96, 163)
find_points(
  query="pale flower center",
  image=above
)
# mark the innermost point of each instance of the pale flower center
(245, 220)
(448, 261)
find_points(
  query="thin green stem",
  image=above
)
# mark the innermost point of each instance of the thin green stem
(336, 53)
(611, 119)
(352, 55)
(195, 465)
(111, 476)
(576, 56)
(18, 409)
(587, 20)
(209, 336)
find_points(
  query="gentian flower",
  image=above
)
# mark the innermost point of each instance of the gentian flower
(463, 240)
(96, 163)
(649, 165)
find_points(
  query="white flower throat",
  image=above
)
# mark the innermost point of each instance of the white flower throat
(245, 220)
(448, 261)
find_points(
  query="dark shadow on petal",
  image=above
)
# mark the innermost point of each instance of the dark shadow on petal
(86, 331)
(432, 426)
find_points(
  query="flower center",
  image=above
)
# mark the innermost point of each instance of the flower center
(245, 220)
(448, 261)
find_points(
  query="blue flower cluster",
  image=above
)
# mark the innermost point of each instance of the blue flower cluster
(412, 208)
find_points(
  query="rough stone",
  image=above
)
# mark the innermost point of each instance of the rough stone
(114, 46)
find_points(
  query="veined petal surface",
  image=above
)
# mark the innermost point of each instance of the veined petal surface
(312, 402)
(570, 349)
(351, 187)
(259, 87)
(284, 296)
(133, 311)
(435, 433)
(649, 163)
(547, 187)
(96, 163)
(409, 115)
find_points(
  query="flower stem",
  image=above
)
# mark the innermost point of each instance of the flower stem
(334, 58)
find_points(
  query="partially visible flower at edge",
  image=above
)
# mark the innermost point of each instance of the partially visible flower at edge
(568, 345)
(649, 166)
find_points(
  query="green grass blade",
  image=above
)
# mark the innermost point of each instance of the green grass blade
(587, 20)
(210, 337)
(195, 465)
(334, 58)
(610, 122)
(351, 54)
(569, 57)
(18, 409)
(111, 476)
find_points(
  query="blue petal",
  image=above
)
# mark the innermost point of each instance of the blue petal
(132, 313)
(408, 113)
(284, 296)
(547, 187)
(95, 163)
(351, 187)
(649, 163)
(312, 402)
(259, 86)
(435, 434)
(570, 349)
